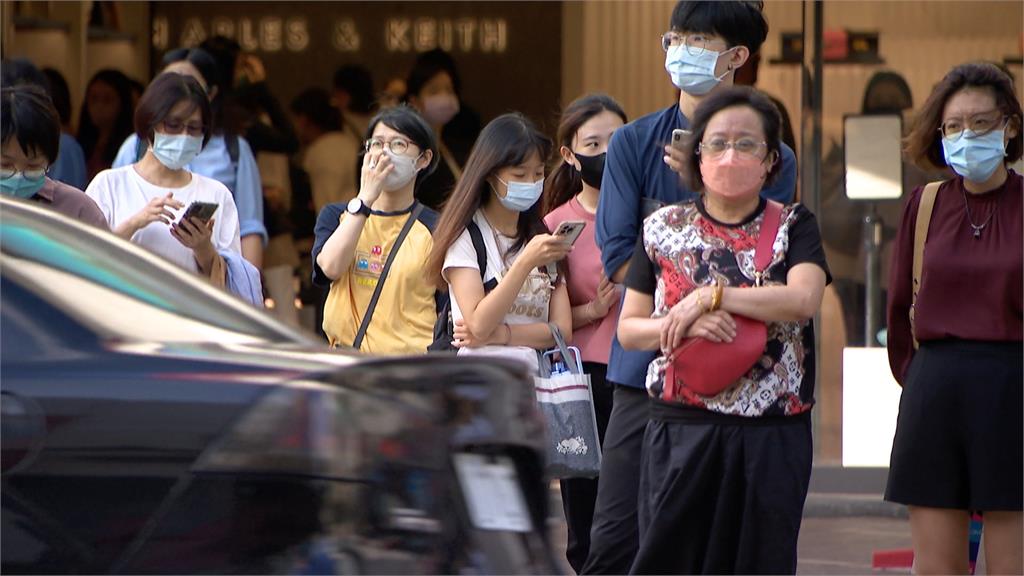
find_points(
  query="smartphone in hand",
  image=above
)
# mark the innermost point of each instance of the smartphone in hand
(201, 211)
(570, 230)
(679, 138)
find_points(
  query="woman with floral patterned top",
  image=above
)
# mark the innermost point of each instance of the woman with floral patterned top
(724, 477)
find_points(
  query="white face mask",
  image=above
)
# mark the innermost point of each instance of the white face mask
(176, 150)
(694, 75)
(403, 172)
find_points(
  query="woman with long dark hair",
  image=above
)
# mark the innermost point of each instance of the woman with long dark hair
(105, 120)
(226, 158)
(572, 193)
(505, 309)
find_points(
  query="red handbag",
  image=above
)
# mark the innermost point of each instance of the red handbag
(707, 367)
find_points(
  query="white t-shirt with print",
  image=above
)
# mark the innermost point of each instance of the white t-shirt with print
(122, 192)
(530, 306)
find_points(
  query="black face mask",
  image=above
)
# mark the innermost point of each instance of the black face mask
(592, 167)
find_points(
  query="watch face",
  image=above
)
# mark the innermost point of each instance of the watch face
(355, 205)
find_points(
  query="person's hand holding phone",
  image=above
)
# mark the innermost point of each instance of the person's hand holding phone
(675, 152)
(196, 235)
(543, 249)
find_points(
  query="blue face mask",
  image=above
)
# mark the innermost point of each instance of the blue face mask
(21, 187)
(976, 158)
(520, 196)
(694, 75)
(176, 150)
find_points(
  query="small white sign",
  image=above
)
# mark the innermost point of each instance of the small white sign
(493, 495)
(871, 403)
(874, 168)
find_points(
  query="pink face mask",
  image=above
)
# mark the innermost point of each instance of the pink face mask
(439, 109)
(733, 175)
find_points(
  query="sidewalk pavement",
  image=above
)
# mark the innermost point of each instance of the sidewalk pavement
(845, 521)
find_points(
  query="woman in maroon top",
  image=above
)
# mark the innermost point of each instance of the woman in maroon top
(958, 440)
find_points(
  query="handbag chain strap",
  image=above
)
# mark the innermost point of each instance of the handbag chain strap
(766, 239)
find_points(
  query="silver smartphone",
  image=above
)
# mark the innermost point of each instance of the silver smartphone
(679, 137)
(570, 230)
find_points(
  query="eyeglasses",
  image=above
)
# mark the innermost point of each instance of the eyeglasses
(395, 145)
(31, 174)
(695, 43)
(980, 124)
(748, 146)
(177, 127)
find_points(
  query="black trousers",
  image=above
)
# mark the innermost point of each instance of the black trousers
(614, 536)
(579, 495)
(723, 498)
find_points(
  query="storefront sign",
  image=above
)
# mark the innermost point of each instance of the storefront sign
(273, 34)
(508, 53)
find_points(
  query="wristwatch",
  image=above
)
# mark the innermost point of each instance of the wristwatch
(356, 207)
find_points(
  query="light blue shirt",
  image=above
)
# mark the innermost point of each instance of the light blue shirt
(215, 162)
(69, 167)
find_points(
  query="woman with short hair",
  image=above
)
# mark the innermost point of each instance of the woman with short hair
(725, 468)
(142, 202)
(226, 157)
(383, 228)
(31, 142)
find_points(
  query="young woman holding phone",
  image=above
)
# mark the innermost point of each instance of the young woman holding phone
(504, 310)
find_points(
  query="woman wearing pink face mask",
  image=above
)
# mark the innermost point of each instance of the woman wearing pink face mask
(724, 476)
(433, 90)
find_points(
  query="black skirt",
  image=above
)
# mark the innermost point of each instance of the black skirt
(958, 438)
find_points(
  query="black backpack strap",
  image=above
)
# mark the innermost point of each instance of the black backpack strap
(477, 238)
(416, 211)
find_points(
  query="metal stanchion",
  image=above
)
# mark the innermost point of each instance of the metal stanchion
(872, 233)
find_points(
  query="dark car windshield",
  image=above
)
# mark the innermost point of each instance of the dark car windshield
(35, 235)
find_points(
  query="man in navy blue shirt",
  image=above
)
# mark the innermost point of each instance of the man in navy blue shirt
(706, 43)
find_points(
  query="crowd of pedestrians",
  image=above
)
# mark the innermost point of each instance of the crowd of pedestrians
(691, 235)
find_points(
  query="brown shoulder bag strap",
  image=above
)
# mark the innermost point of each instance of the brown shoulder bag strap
(924, 218)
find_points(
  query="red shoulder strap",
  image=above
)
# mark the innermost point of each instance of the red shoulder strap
(766, 236)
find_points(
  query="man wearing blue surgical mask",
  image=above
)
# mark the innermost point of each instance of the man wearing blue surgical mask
(31, 140)
(706, 43)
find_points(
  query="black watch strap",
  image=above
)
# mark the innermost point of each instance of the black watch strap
(363, 209)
